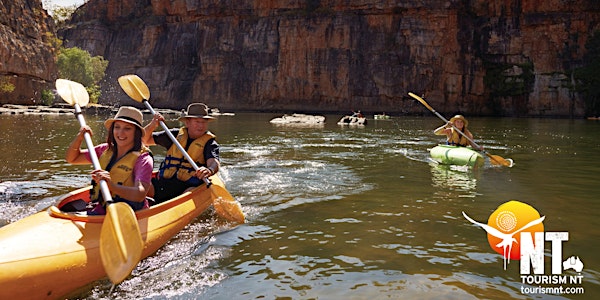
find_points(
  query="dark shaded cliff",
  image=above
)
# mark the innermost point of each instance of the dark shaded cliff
(27, 65)
(480, 57)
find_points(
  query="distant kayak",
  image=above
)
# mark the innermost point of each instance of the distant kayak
(382, 117)
(352, 120)
(455, 155)
(299, 119)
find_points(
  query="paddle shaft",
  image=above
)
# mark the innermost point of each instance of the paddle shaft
(494, 158)
(95, 162)
(443, 119)
(175, 141)
(224, 204)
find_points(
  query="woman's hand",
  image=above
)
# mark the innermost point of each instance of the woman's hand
(99, 175)
(83, 130)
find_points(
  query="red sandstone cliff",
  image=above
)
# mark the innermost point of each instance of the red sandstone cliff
(27, 62)
(498, 57)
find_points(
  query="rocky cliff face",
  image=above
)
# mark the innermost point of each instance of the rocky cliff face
(27, 65)
(500, 57)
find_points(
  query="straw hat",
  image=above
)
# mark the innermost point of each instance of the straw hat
(127, 114)
(196, 110)
(459, 117)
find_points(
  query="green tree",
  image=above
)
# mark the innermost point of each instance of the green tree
(78, 65)
(60, 13)
(5, 85)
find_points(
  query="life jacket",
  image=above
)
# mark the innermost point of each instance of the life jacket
(457, 139)
(121, 172)
(175, 162)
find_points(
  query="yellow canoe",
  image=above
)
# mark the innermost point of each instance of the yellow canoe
(52, 254)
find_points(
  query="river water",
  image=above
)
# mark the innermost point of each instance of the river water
(337, 212)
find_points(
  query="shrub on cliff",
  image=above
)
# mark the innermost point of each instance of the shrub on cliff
(78, 65)
(588, 78)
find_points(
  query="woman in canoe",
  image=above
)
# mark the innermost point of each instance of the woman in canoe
(454, 138)
(126, 163)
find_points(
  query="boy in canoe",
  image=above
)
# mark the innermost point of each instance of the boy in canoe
(176, 174)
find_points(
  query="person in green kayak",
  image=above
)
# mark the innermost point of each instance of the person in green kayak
(176, 174)
(454, 137)
(126, 163)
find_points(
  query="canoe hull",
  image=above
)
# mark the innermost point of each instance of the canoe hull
(52, 253)
(454, 155)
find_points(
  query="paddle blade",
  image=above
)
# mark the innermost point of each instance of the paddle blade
(72, 92)
(134, 87)
(225, 206)
(421, 100)
(121, 242)
(500, 161)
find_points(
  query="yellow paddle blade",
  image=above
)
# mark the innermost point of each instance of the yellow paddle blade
(421, 100)
(500, 161)
(121, 242)
(134, 87)
(225, 206)
(72, 92)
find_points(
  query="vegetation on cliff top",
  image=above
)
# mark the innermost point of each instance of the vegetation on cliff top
(78, 65)
(588, 78)
(75, 63)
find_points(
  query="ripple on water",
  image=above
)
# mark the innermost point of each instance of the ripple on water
(278, 184)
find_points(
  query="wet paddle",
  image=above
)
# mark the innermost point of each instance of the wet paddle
(224, 204)
(120, 238)
(494, 159)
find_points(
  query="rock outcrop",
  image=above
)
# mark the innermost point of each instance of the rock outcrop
(481, 57)
(27, 54)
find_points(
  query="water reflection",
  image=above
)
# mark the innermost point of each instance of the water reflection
(454, 178)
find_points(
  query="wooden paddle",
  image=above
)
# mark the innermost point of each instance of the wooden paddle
(120, 238)
(494, 159)
(224, 204)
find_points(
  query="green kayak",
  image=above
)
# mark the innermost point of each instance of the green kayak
(455, 155)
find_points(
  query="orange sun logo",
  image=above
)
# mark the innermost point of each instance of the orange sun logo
(511, 218)
(505, 225)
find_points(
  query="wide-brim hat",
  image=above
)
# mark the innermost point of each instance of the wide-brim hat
(127, 114)
(196, 110)
(460, 117)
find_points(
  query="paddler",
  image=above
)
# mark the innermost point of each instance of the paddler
(176, 174)
(453, 137)
(126, 163)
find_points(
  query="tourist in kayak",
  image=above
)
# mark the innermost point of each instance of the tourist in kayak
(176, 174)
(126, 163)
(454, 138)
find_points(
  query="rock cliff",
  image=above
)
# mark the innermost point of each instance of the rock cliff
(480, 57)
(27, 63)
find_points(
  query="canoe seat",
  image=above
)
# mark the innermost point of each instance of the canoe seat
(150, 200)
(74, 206)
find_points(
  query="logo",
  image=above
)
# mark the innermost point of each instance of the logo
(516, 231)
(124, 168)
(504, 224)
